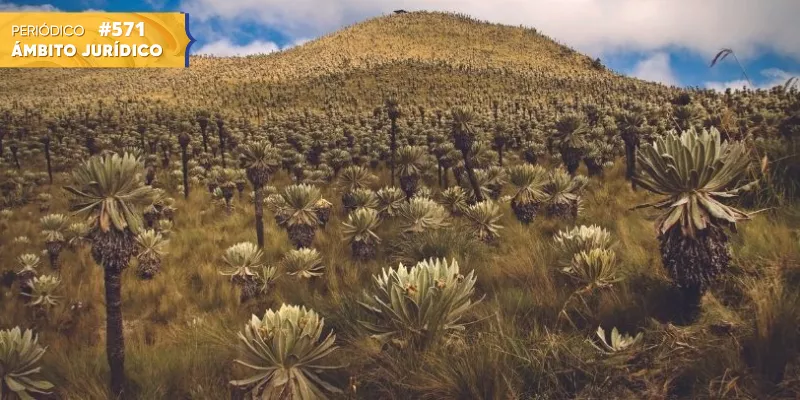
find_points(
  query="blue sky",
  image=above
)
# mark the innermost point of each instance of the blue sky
(668, 41)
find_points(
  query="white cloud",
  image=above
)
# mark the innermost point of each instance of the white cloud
(595, 27)
(11, 7)
(655, 68)
(225, 48)
(773, 77)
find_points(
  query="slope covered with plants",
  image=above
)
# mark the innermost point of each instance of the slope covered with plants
(417, 206)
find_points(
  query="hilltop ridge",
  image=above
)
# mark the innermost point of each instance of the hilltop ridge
(420, 50)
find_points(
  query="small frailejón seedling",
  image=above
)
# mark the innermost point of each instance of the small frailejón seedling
(585, 255)
(152, 246)
(286, 349)
(422, 214)
(363, 198)
(390, 201)
(28, 262)
(359, 230)
(351, 179)
(20, 354)
(454, 200)
(303, 263)
(568, 243)
(483, 220)
(437, 298)
(619, 342)
(694, 170)
(563, 194)
(42, 293)
(298, 213)
(54, 227)
(528, 181)
(243, 260)
(410, 164)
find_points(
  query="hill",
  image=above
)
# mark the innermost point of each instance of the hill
(437, 56)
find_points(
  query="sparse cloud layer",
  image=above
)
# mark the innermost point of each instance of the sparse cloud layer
(772, 77)
(12, 7)
(226, 48)
(655, 68)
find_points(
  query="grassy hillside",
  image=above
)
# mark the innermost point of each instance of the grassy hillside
(327, 107)
(420, 50)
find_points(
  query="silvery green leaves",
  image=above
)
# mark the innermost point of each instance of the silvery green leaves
(303, 263)
(53, 227)
(242, 260)
(43, 291)
(585, 254)
(695, 170)
(19, 354)
(580, 238)
(286, 349)
(483, 220)
(260, 160)
(420, 214)
(360, 226)
(110, 189)
(28, 262)
(619, 342)
(421, 303)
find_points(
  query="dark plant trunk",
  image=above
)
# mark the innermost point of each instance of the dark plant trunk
(571, 159)
(185, 165)
(148, 267)
(53, 251)
(408, 183)
(115, 340)
(113, 250)
(49, 167)
(165, 159)
(150, 176)
(562, 209)
(473, 180)
(630, 163)
(500, 154)
(323, 215)
(227, 194)
(393, 146)
(16, 158)
(150, 218)
(439, 174)
(259, 210)
(694, 264)
(301, 235)
(248, 288)
(222, 150)
(25, 280)
(525, 212)
(204, 134)
(348, 202)
(363, 251)
(594, 168)
(445, 178)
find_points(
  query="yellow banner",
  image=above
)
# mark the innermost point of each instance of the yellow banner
(94, 40)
